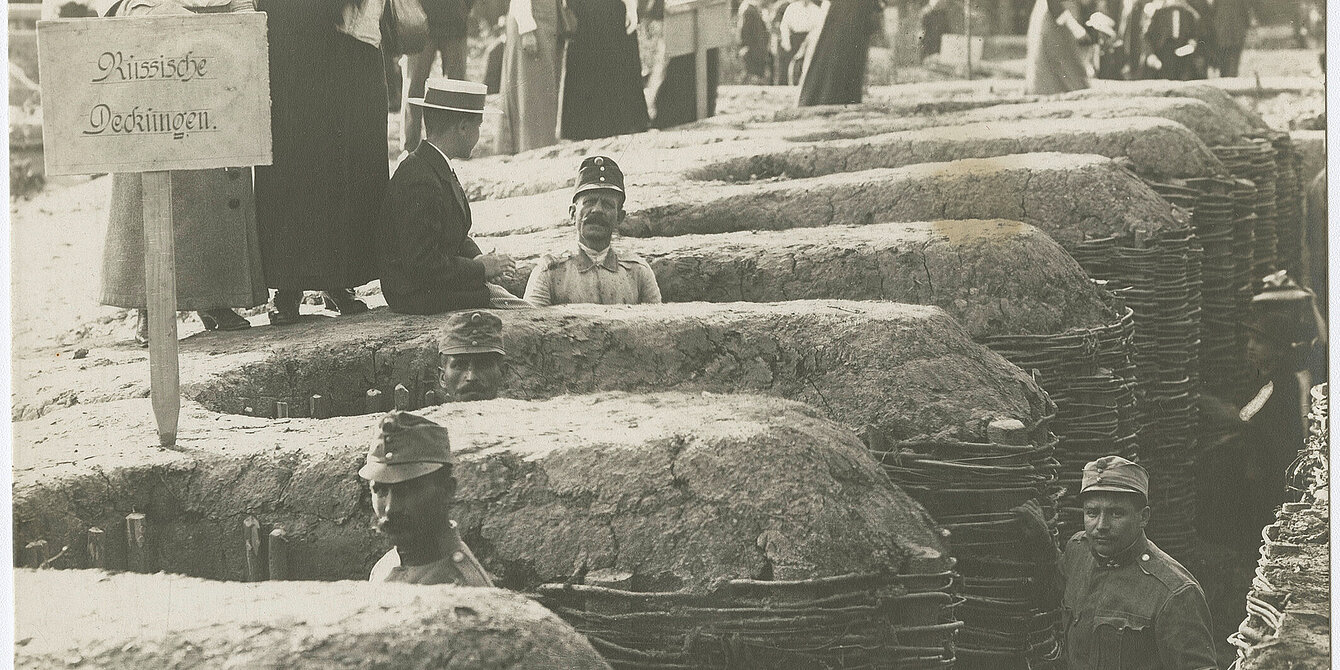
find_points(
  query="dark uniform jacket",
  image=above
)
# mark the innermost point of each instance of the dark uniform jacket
(1140, 610)
(426, 255)
(459, 567)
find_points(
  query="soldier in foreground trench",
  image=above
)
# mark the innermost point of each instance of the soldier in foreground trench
(409, 469)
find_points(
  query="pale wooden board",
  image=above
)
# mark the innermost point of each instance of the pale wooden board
(715, 23)
(217, 114)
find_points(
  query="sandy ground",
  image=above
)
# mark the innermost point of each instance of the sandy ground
(57, 235)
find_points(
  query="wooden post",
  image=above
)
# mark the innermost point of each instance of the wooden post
(402, 398)
(320, 407)
(281, 409)
(160, 288)
(430, 398)
(278, 554)
(97, 548)
(700, 65)
(373, 401)
(137, 542)
(35, 554)
(251, 544)
(967, 34)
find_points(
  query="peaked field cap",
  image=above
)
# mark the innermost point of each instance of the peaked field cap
(455, 95)
(598, 172)
(1114, 473)
(407, 446)
(471, 332)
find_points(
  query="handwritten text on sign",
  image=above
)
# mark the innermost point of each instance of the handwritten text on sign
(136, 94)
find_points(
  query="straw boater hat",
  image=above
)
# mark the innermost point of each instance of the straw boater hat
(455, 95)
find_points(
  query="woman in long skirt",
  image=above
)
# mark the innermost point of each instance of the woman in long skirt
(835, 67)
(602, 73)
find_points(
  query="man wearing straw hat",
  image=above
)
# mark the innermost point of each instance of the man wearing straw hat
(409, 469)
(1128, 605)
(428, 262)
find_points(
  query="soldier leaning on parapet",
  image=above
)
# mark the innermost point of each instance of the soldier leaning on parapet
(470, 355)
(409, 469)
(1128, 605)
(594, 272)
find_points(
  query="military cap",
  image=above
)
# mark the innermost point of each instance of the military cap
(407, 446)
(1114, 473)
(471, 332)
(599, 172)
(1281, 310)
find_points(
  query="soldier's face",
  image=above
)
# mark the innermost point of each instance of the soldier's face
(1113, 520)
(411, 512)
(596, 214)
(467, 377)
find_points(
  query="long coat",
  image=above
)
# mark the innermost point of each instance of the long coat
(218, 254)
(835, 67)
(1054, 62)
(530, 82)
(427, 257)
(602, 75)
(317, 203)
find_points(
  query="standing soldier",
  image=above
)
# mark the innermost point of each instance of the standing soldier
(1128, 605)
(409, 470)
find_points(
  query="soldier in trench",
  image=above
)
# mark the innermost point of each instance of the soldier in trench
(594, 272)
(409, 469)
(470, 356)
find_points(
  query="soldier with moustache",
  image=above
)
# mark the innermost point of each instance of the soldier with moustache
(409, 469)
(594, 272)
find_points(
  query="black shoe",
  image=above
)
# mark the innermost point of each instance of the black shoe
(284, 310)
(343, 301)
(142, 328)
(222, 318)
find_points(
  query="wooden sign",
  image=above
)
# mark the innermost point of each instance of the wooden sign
(139, 94)
(697, 24)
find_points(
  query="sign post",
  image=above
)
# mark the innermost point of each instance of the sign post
(694, 27)
(153, 94)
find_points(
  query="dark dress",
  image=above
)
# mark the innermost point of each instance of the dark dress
(317, 205)
(835, 73)
(602, 75)
(676, 97)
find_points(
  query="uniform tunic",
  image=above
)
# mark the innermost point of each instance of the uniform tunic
(459, 567)
(576, 278)
(1140, 610)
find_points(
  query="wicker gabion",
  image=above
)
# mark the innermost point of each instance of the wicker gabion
(972, 490)
(848, 621)
(1160, 282)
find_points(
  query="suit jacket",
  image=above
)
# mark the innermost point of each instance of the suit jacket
(427, 257)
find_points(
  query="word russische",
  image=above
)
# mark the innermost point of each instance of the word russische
(114, 66)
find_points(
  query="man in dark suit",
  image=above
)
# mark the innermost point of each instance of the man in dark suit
(428, 262)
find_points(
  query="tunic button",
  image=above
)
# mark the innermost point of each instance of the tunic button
(458, 557)
(234, 203)
(1144, 557)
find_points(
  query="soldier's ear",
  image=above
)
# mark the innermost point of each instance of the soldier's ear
(572, 210)
(1144, 515)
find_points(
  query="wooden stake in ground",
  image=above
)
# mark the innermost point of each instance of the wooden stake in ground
(251, 544)
(137, 542)
(278, 554)
(160, 289)
(97, 548)
(402, 398)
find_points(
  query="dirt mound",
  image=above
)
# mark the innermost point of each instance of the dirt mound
(906, 369)
(1155, 147)
(1070, 197)
(1222, 103)
(681, 491)
(89, 618)
(995, 277)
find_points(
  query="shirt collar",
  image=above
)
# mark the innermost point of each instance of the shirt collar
(441, 153)
(1125, 556)
(606, 258)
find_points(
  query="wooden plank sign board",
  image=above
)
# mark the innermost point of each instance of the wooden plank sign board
(714, 24)
(151, 93)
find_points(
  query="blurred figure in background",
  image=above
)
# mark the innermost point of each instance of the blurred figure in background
(602, 72)
(802, 17)
(448, 23)
(1229, 21)
(532, 62)
(835, 61)
(751, 33)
